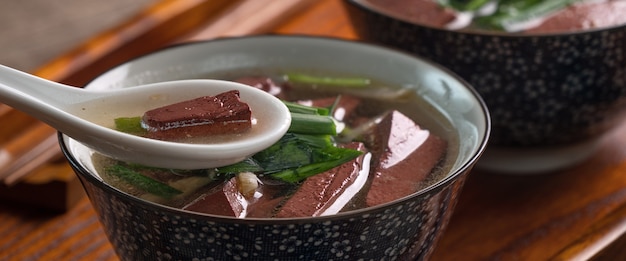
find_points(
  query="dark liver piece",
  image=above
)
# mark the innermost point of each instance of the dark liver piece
(584, 16)
(208, 115)
(263, 83)
(319, 192)
(226, 202)
(268, 198)
(407, 155)
(265, 207)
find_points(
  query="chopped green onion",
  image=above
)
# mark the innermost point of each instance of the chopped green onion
(332, 107)
(312, 124)
(334, 81)
(465, 5)
(299, 108)
(130, 125)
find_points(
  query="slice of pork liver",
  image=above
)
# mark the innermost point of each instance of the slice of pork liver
(407, 155)
(263, 83)
(226, 201)
(320, 192)
(583, 16)
(208, 115)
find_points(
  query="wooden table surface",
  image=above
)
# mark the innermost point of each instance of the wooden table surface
(574, 214)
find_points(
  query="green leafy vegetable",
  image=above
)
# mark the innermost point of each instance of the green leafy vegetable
(329, 158)
(247, 165)
(289, 152)
(142, 182)
(296, 157)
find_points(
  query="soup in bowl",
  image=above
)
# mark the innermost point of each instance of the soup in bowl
(376, 177)
(508, 16)
(551, 72)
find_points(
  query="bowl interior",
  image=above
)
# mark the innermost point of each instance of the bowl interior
(468, 122)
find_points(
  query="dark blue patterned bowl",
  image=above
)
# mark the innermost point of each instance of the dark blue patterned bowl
(405, 229)
(551, 96)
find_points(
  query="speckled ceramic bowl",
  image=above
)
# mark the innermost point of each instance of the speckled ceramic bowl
(404, 229)
(551, 96)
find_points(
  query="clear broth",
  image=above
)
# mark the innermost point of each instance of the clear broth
(407, 102)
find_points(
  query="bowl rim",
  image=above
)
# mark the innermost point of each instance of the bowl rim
(368, 7)
(433, 188)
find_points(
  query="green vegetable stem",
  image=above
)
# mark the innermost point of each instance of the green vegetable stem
(325, 80)
(312, 124)
(299, 108)
(142, 182)
(464, 5)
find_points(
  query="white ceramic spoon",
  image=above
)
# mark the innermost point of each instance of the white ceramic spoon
(73, 111)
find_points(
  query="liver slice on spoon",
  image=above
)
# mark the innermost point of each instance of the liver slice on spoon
(209, 115)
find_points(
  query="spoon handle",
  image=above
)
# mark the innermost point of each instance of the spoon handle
(45, 100)
(28, 93)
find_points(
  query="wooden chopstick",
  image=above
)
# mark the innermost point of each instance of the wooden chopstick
(43, 153)
(38, 140)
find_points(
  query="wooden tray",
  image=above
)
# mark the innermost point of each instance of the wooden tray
(573, 214)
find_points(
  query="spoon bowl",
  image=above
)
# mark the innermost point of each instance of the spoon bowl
(84, 114)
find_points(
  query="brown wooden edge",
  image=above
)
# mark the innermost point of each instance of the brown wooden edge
(149, 30)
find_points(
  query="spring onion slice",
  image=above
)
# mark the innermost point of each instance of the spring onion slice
(312, 124)
(131, 125)
(467, 5)
(330, 81)
(299, 108)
